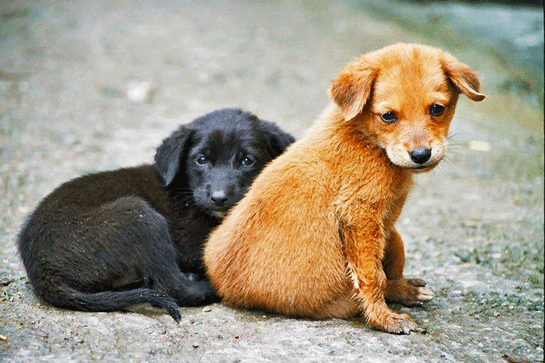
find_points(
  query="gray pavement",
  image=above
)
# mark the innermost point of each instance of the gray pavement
(473, 227)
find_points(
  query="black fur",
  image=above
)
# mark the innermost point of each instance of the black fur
(106, 241)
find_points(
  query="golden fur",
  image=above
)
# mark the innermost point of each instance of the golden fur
(315, 234)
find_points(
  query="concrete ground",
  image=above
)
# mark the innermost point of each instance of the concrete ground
(70, 76)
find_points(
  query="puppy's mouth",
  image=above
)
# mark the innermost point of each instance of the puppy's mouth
(416, 163)
(416, 168)
(219, 213)
(423, 168)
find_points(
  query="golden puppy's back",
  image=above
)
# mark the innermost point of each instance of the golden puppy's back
(265, 256)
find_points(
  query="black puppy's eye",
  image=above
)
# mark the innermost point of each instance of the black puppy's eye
(389, 117)
(201, 160)
(436, 110)
(248, 160)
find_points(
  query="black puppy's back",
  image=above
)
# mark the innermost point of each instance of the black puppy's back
(95, 235)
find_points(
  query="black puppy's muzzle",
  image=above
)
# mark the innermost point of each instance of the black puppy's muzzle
(220, 201)
(219, 198)
(222, 192)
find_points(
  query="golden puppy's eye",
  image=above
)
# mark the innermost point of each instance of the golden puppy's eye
(389, 117)
(436, 110)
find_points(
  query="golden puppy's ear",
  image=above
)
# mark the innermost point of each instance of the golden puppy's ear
(463, 77)
(351, 89)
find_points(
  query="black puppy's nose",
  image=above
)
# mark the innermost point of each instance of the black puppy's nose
(219, 198)
(420, 155)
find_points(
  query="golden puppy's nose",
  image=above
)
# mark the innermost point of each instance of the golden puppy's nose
(420, 155)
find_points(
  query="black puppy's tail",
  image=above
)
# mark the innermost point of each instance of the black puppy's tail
(69, 298)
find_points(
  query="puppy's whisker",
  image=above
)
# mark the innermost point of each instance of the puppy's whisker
(458, 133)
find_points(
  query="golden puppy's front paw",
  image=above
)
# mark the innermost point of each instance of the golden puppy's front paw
(409, 292)
(400, 324)
(397, 324)
(382, 318)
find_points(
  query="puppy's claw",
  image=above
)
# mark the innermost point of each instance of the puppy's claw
(407, 329)
(425, 294)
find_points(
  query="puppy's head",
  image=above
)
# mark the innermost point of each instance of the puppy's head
(403, 98)
(216, 157)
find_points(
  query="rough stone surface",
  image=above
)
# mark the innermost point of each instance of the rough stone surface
(473, 227)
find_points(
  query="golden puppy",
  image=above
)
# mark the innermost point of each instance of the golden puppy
(315, 234)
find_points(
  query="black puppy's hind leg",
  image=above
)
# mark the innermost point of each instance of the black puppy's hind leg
(156, 255)
(97, 258)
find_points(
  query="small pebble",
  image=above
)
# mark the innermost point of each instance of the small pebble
(464, 257)
(6, 281)
(140, 92)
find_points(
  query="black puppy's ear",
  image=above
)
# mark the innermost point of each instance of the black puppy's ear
(277, 140)
(170, 153)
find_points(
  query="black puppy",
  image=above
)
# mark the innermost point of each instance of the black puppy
(106, 241)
